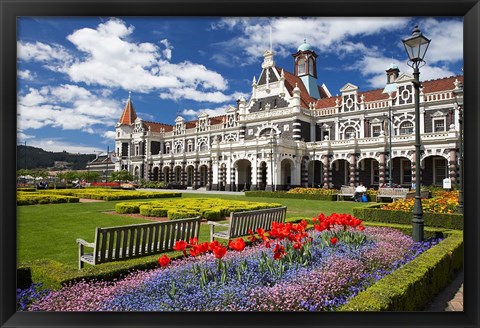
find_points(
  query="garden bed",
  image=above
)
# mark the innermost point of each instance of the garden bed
(214, 209)
(333, 273)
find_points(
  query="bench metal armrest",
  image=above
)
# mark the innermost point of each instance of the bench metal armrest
(84, 243)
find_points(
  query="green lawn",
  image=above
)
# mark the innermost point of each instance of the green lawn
(46, 234)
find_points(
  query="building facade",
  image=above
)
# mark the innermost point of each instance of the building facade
(292, 132)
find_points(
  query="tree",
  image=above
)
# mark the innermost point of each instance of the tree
(90, 176)
(123, 175)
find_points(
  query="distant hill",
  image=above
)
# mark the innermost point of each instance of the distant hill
(36, 158)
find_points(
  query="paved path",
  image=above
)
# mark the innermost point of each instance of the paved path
(450, 299)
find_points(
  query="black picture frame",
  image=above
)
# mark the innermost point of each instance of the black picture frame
(10, 10)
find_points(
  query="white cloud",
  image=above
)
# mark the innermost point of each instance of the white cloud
(212, 112)
(58, 145)
(42, 52)
(193, 94)
(68, 107)
(324, 34)
(26, 75)
(109, 58)
(373, 69)
(447, 40)
(168, 49)
(109, 135)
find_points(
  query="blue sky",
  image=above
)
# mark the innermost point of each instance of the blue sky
(75, 74)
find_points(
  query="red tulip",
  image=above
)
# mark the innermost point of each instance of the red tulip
(219, 251)
(333, 240)
(238, 244)
(164, 261)
(193, 241)
(278, 252)
(180, 245)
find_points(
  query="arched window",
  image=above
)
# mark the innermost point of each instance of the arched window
(302, 66)
(349, 133)
(310, 66)
(202, 146)
(406, 128)
(179, 149)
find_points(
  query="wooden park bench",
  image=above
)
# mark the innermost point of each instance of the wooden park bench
(423, 194)
(241, 222)
(393, 193)
(345, 191)
(136, 240)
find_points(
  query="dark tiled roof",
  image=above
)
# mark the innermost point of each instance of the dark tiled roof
(155, 127)
(440, 84)
(291, 81)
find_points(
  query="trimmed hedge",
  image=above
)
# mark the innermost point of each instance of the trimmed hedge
(411, 287)
(34, 198)
(208, 208)
(284, 194)
(373, 213)
(111, 194)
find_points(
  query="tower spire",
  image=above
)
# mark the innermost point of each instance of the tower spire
(128, 115)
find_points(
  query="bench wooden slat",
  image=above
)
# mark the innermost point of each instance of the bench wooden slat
(241, 222)
(122, 242)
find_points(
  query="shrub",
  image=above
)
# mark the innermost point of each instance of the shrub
(208, 208)
(128, 208)
(412, 286)
(148, 210)
(283, 194)
(374, 213)
(212, 214)
(32, 198)
(181, 214)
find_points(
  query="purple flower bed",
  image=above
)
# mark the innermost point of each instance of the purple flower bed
(334, 274)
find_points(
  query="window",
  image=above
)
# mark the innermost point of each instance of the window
(439, 170)
(406, 128)
(302, 66)
(179, 149)
(325, 134)
(406, 171)
(376, 130)
(310, 66)
(190, 147)
(439, 125)
(202, 146)
(349, 133)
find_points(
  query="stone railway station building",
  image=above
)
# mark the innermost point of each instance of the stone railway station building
(292, 132)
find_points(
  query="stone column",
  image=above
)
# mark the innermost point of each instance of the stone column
(184, 174)
(304, 173)
(352, 169)
(326, 172)
(210, 175)
(172, 172)
(196, 176)
(161, 177)
(453, 166)
(381, 169)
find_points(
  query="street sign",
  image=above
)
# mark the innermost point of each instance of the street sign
(447, 183)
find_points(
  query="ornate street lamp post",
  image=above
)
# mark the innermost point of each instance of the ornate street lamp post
(458, 92)
(416, 47)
